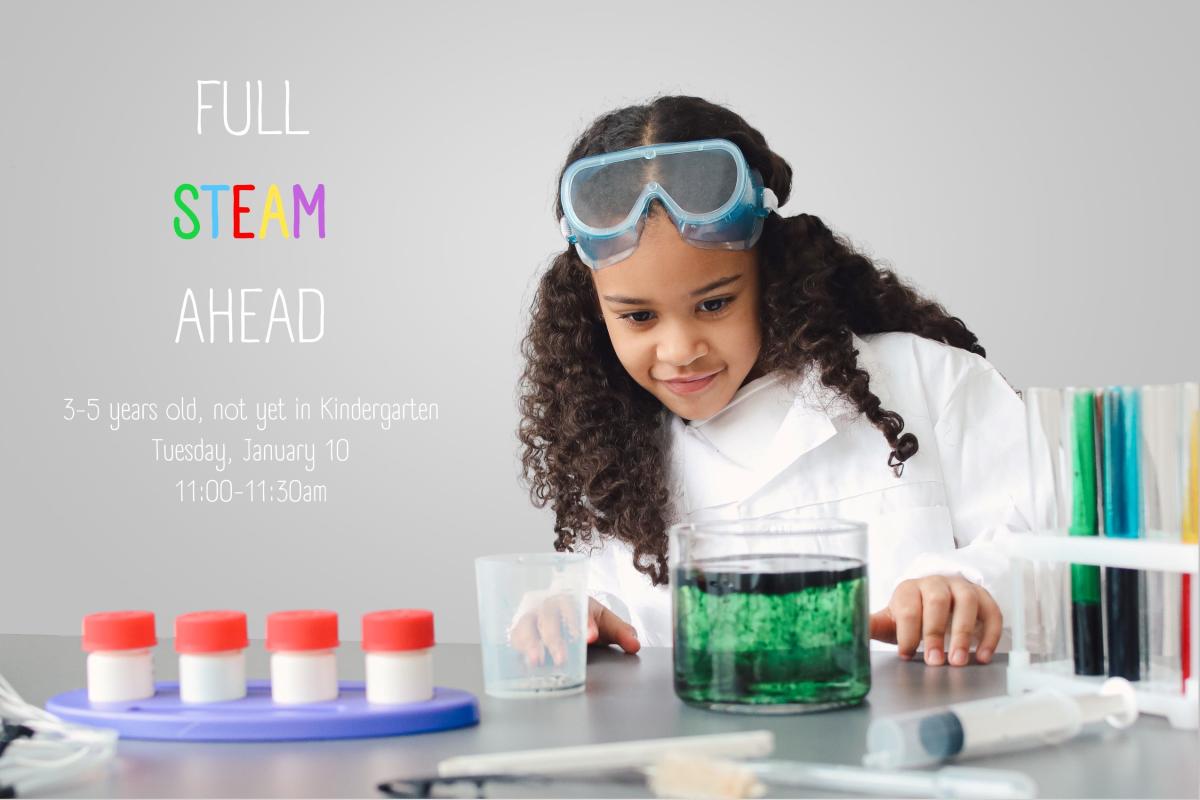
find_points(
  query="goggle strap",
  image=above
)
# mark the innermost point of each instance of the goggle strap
(565, 228)
(769, 201)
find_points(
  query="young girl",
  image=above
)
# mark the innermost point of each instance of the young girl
(693, 355)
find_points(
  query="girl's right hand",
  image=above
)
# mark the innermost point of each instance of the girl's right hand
(548, 621)
(605, 628)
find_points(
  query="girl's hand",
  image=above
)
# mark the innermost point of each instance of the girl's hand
(605, 627)
(924, 608)
(549, 623)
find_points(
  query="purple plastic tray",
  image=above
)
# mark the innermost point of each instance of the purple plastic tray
(256, 718)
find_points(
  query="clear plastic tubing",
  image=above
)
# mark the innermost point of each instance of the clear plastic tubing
(120, 666)
(998, 724)
(303, 665)
(399, 655)
(212, 656)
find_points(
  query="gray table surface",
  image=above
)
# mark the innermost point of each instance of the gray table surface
(627, 697)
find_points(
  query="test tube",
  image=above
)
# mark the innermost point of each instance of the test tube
(995, 725)
(1122, 518)
(1047, 624)
(1190, 523)
(1162, 511)
(1087, 624)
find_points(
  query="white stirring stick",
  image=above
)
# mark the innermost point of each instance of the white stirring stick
(613, 755)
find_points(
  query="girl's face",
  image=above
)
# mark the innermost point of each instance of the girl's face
(683, 320)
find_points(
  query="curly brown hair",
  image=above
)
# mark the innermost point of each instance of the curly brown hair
(594, 441)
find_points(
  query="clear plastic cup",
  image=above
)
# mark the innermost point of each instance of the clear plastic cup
(770, 614)
(533, 623)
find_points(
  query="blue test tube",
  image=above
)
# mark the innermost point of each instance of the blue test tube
(1122, 517)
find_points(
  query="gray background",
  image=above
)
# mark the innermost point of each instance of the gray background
(1033, 166)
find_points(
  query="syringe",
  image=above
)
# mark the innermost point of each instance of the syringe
(998, 724)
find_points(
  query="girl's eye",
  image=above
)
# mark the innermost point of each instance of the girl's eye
(715, 304)
(637, 317)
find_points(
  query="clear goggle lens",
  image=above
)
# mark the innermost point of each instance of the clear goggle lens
(707, 188)
(699, 182)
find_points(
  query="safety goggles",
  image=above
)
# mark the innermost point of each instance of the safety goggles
(707, 188)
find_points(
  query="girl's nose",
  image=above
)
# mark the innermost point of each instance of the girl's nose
(680, 345)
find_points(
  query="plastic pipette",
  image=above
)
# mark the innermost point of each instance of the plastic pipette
(964, 730)
(961, 783)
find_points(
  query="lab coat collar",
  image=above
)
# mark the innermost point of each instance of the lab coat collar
(764, 429)
(745, 428)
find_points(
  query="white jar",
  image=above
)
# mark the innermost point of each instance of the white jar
(212, 656)
(303, 664)
(115, 676)
(212, 677)
(120, 666)
(399, 655)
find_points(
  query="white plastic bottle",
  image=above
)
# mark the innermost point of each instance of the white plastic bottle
(399, 655)
(303, 665)
(212, 656)
(120, 666)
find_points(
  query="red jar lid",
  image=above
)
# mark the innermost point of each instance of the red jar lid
(119, 630)
(210, 632)
(302, 630)
(399, 629)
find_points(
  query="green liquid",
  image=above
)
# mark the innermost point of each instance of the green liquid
(772, 633)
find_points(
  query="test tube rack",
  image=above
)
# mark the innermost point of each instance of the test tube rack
(1179, 704)
(256, 717)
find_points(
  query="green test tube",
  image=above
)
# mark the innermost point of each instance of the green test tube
(1086, 615)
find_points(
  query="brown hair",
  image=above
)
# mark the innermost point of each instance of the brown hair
(593, 440)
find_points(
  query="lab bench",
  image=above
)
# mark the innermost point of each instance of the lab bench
(628, 697)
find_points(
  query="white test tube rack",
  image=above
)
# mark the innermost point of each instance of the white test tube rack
(1161, 698)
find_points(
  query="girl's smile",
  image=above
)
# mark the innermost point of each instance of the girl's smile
(691, 385)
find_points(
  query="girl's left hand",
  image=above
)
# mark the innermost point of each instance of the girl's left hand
(925, 608)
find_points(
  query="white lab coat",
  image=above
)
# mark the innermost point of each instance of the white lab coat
(805, 450)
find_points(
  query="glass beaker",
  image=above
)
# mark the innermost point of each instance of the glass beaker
(533, 623)
(770, 614)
